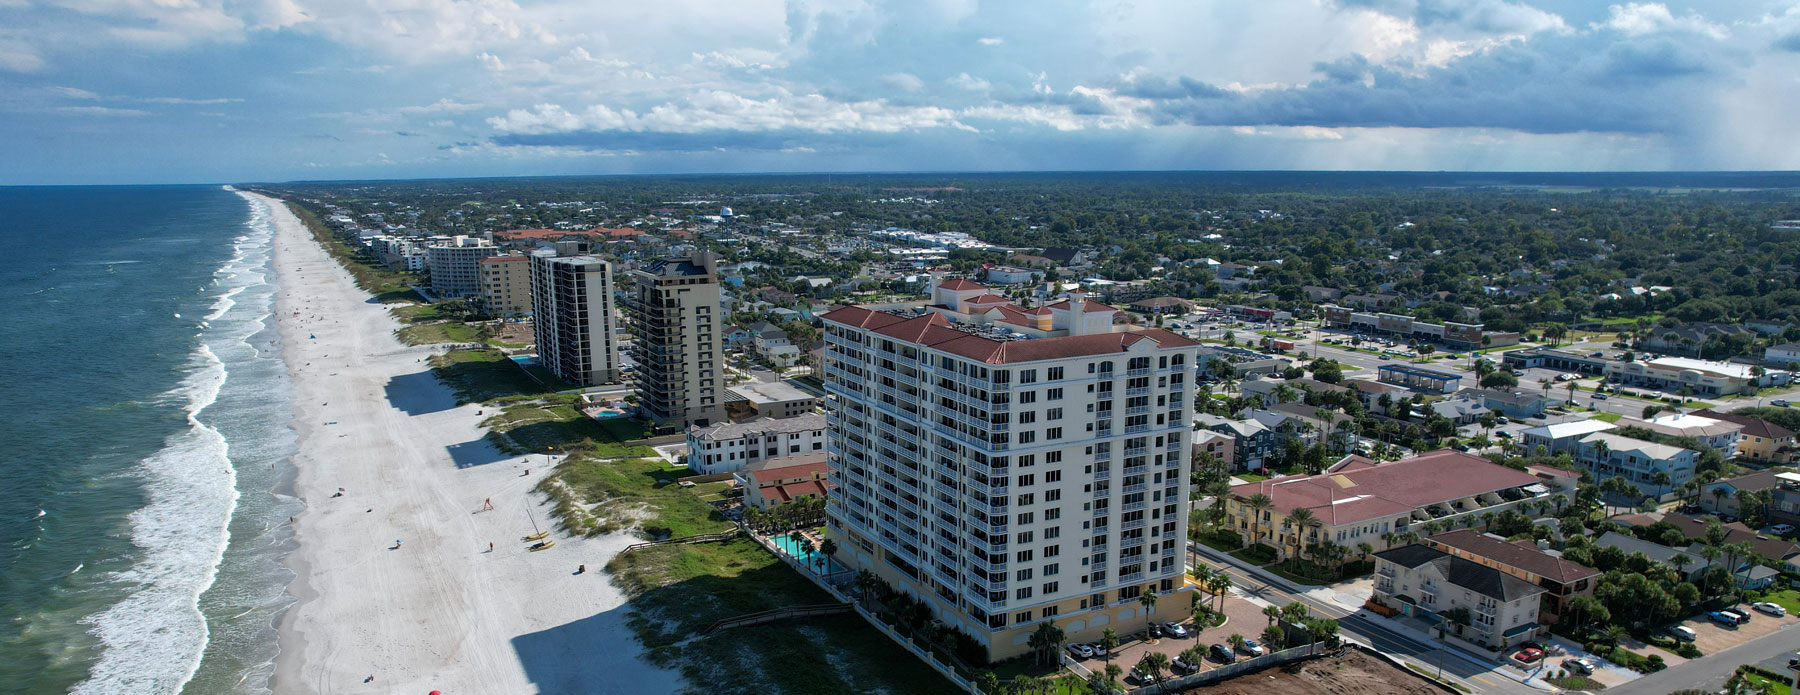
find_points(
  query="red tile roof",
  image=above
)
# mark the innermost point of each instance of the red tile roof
(1522, 555)
(933, 330)
(1352, 496)
(986, 299)
(961, 284)
(794, 491)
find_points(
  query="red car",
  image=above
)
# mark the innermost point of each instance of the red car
(1529, 654)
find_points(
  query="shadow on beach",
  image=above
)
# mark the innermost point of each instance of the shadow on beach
(419, 393)
(596, 654)
(479, 452)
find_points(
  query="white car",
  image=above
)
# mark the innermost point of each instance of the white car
(1683, 634)
(1770, 608)
(1081, 651)
(1781, 529)
(1174, 630)
(1584, 666)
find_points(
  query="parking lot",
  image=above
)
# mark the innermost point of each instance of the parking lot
(1716, 638)
(1242, 618)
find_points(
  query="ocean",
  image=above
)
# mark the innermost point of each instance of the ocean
(143, 510)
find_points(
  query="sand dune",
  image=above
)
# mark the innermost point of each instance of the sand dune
(440, 611)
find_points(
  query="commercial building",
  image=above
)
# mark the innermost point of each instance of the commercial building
(730, 446)
(1758, 440)
(1419, 379)
(677, 339)
(1463, 336)
(505, 285)
(1515, 404)
(572, 309)
(1559, 360)
(1561, 579)
(1426, 583)
(1676, 374)
(455, 264)
(1007, 480)
(777, 481)
(775, 399)
(1610, 455)
(1358, 500)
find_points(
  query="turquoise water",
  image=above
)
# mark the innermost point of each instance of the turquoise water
(140, 541)
(607, 415)
(813, 560)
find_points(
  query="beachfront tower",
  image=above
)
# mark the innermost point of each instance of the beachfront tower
(455, 265)
(677, 341)
(572, 317)
(1010, 466)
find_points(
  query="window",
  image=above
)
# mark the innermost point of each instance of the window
(1027, 396)
(1022, 617)
(1022, 556)
(1028, 376)
(1053, 476)
(1022, 593)
(1053, 433)
(1055, 394)
(1050, 611)
(1056, 374)
(1054, 457)
(1050, 587)
(1025, 518)
(1027, 499)
(1023, 575)
(1052, 514)
(1027, 437)
(1028, 479)
(1027, 417)
(1052, 495)
(1053, 414)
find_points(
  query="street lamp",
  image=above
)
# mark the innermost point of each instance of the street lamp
(1442, 645)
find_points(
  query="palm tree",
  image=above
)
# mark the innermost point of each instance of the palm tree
(827, 550)
(1046, 640)
(1662, 480)
(1148, 601)
(1273, 613)
(1236, 641)
(1112, 674)
(1259, 504)
(1275, 637)
(865, 583)
(1221, 583)
(1302, 520)
(1158, 662)
(1109, 641)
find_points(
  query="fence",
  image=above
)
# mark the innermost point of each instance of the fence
(1227, 671)
(685, 540)
(773, 615)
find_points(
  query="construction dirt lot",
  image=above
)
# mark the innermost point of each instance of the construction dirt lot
(1354, 673)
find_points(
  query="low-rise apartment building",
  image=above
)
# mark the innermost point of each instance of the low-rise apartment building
(1360, 501)
(1609, 455)
(1562, 579)
(1426, 583)
(1712, 433)
(731, 446)
(455, 265)
(1252, 442)
(505, 285)
(1758, 440)
(773, 482)
(1561, 437)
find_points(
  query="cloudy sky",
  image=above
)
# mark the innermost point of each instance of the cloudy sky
(101, 91)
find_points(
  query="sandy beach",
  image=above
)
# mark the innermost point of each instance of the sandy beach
(437, 610)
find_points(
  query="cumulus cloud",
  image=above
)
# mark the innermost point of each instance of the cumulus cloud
(968, 82)
(990, 41)
(726, 111)
(901, 81)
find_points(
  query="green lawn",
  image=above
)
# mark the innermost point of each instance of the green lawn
(1223, 541)
(1258, 554)
(446, 332)
(551, 422)
(420, 313)
(1787, 598)
(1607, 417)
(483, 375)
(1251, 477)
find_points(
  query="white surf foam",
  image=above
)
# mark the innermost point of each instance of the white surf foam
(155, 637)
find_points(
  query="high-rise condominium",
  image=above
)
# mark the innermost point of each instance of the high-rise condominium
(572, 314)
(677, 341)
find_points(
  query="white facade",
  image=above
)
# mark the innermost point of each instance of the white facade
(1008, 482)
(1610, 455)
(456, 265)
(573, 318)
(728, 447)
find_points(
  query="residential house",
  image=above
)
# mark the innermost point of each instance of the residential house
(777, 481)
(1252, 443)
(1721, 496)
(1462, 411)
(1321, 294)
(1691, 568)
(772, 345)
(1514, 404)
(1758, 440)
(1426, 583)
(1784, 499)
(1221, 445)
(1608, 455)
(1562, 579)
(1783, 354)
(1768, 547)
(1370, 392)
(1360, 501)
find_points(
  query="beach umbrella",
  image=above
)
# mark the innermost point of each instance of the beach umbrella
(437, 692)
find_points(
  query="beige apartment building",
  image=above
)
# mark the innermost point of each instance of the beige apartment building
(572, 318)
(1426, 583)
(1009, 480)
(678, 341)
(505, 285)
(455, 265)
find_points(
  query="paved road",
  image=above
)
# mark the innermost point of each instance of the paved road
(1709, 673)
(1474, 674)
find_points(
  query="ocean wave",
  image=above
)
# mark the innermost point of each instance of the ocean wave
(155, 638)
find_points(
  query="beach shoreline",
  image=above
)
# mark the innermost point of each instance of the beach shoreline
(438, 611)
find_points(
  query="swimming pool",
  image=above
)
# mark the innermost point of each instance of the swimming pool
(609, 414)
(812, 560)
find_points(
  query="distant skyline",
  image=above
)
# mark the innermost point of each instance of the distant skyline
(163, 91)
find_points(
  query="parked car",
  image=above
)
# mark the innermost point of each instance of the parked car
(1682, 633)
(1529, 655)
(1502, 420)
(1779, 403)
(1581, 665)
(1781, 529)
(1175, 630)
(1518, 372)
(1223, 653)
(1139, 674)
(1156, 631)
(1774, 609)
(1081, 651)
(1740, 616)
(1722, 618)
(1254, 649)
(1504, 435)
(1182, 666)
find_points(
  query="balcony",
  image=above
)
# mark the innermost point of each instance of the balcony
(1102, 493)
(1130, 525)
(1140, 371)
(1136, 451)
(1137, 390)
(1131, 578)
